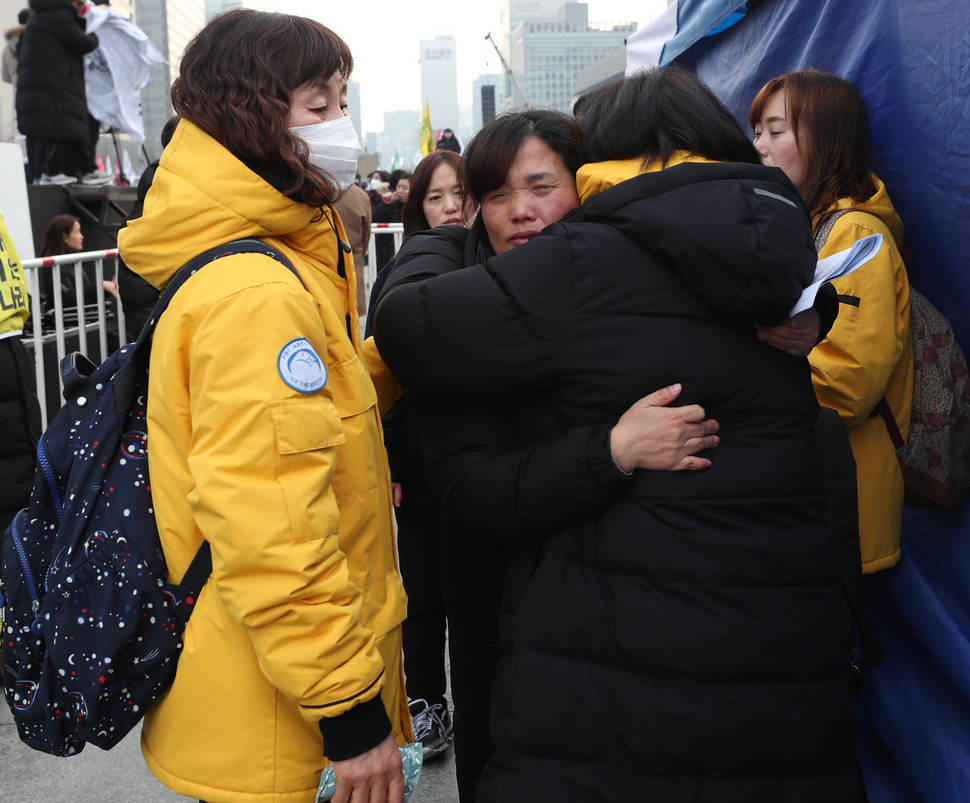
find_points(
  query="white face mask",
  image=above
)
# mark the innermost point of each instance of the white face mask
(334, 148)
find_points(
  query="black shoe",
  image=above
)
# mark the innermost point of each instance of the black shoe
(432, 726)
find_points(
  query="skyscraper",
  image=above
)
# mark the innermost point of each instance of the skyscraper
(545, 54)
(353, 107)
(170, 24)
(439, 83)
(213, 8)
(486, 91)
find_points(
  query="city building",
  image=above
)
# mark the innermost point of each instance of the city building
(545, 54)
(399, 145)
(600, 73)
(213, 8)
(439, 83)
(170, 24)
(512, 14)
(486, 91)
(353, 108)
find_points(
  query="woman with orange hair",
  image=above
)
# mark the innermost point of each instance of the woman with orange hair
(812, 125)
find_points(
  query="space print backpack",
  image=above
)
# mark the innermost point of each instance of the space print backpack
(91, 629)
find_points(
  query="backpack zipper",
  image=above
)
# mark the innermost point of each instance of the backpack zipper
(18, 545)
(48, 470)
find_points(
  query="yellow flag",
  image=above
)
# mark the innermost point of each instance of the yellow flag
(427, 144)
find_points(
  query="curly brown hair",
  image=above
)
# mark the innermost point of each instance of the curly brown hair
(236, 81)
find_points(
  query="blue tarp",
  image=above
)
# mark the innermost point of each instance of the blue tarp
(697, 18)
(910, 60)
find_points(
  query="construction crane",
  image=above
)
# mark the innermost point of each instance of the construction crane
(508, 70)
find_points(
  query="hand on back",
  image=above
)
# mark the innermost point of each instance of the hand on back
(655, 436)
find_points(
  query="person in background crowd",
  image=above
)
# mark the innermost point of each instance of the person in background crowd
(638, 669)
(374, 181)
(263, 413)
(448, 142)
(403, 188)
(812, 125)
(437, 194)
(354, 208)
(386, 208)
(10, 62)
(63, 236)
(435, 200)
(11, 53)
(52, 111)
(20, 418)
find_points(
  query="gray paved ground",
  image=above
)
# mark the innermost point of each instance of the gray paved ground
(120, 775)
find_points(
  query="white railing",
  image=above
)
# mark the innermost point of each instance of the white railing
(79, 320)
(370, 270)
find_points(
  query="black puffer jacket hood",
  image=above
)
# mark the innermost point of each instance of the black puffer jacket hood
(50, 5)
(685, 214)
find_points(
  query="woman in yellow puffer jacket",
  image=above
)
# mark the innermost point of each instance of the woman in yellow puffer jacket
(264, 422)
(812, 125)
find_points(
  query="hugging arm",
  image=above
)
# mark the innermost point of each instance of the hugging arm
(800, 334)
(489, 486)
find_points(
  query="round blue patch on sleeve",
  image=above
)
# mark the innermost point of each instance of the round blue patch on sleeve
(300, 367)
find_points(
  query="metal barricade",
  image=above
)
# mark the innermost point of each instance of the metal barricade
(370, 269)
(60, 326)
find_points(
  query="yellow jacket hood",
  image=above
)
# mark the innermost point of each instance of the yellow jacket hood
(879, 205)
(202, 196)
(595, 177)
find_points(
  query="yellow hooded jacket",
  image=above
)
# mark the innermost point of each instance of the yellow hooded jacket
(278, 464)
(868, 354)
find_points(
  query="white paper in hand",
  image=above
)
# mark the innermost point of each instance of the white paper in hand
(840, 264)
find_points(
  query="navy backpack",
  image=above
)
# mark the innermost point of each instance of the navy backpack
(91, 629)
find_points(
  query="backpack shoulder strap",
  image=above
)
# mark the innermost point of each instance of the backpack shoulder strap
(201, 566)
(249, 245)
(823, 231)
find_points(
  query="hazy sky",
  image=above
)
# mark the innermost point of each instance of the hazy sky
(384, 36)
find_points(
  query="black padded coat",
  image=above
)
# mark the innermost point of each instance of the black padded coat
(51, 101)
(685, 643)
